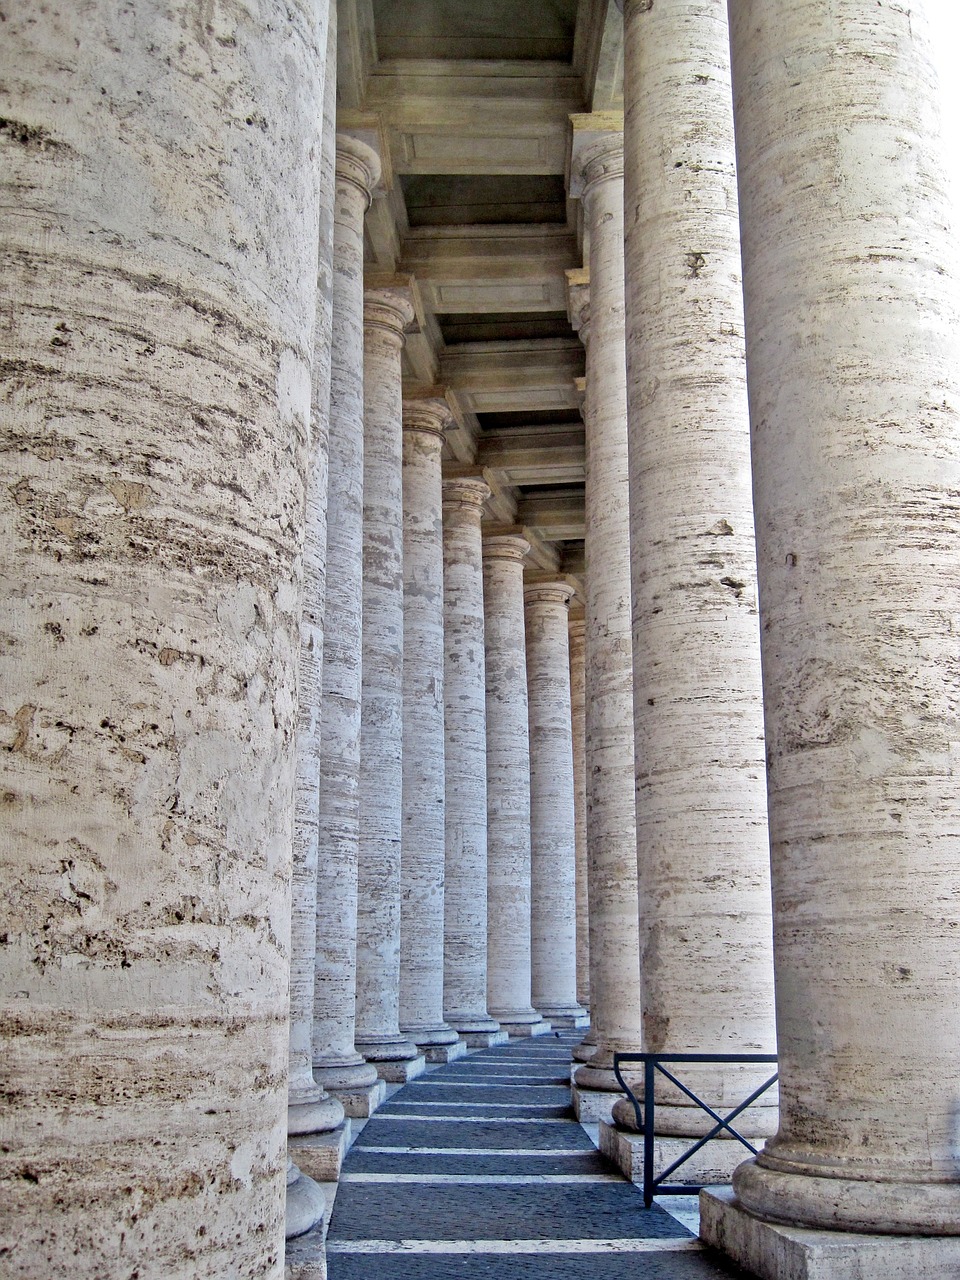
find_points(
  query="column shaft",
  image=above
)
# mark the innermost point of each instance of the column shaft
(578, 714)
(553, 893)
(853, 347)
(387, 312)
(698, 709)
(337, 1064)
(422, 856)
(155, 428)
(309, 1108)
(508, 789)
(465, 746)
(611, 823)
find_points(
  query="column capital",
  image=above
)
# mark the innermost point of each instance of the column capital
(596, 150)
(548, 591)
(578, 628)
(358, 165)
(578, 300)
(465, 491)
(389, 305)
(505, 546)
(430, 416)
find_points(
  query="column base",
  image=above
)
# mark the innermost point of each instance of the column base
(713, 1163)
(444, 1052)
(344, 1076)
(320, 1155)
(525, 1025)
(306, 1205)
(593, 1105)
(305, 1256)
(314, 1117)
(386, 1049)
(585, 1050)
(361, 1102)
(483, 1039)
(401, 1070)
(800, 1253)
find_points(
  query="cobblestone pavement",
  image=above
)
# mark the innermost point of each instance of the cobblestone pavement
(480, 1170)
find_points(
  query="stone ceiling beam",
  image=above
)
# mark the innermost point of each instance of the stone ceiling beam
(498, 377)
(535, 455)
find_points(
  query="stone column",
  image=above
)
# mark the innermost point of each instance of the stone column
(155, 429)
(577, 716)
(611, 823)
(553, 893)
(508, 789)
(465, 767)
(311, 1111)
(853, 347)
(698, 709)
(336, 1062)
(422, 848)
(387, 312)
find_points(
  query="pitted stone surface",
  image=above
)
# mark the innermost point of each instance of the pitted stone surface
(154, 462)
(704, 865)
(422, 844)
(465, 764)
(387, 313)
(611, 820)
(508, 784)
(856, 470)
(578, 711)
(336, 1061)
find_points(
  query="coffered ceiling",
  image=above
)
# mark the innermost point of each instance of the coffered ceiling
(469, 105)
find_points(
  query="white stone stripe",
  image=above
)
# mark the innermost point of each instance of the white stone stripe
(516, 1106)
(480, 1179)
(488, 1152)
(478, 1084)
(671, 1245)
(386, 1115)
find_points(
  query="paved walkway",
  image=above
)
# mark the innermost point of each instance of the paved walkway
(479, 1170)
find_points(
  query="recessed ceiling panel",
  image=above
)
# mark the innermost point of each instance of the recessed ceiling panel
(497, 326)
(445, 199)
(482, 29)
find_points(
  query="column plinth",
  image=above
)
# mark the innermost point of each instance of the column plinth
(553, 920)
(336, 1063)
(508, 788)
(422, 845)
(388, 311)
(465, 746)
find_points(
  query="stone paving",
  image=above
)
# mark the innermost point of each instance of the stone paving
(480, 1169)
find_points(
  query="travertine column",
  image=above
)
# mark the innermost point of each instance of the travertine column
(611, 824)
(387, 312)
(309, 1109)
(553, 893)
(422, 849)
(853, 343)
(155, 427)
(704, 864)
(336, 1062)
(508, 788)
(465, 767)
(577, 715)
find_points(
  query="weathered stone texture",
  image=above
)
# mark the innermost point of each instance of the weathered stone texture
(508, 785)
(853, 349)
(577, 717)
(387, 312)
(336, 1061)
(701, 793)
(611, 823)
(553, 915)
(422, 845)
(465, 760)
(160, 236)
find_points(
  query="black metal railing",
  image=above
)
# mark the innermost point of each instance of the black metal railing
(646, 1113)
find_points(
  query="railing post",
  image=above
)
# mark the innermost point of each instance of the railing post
(648, 1126)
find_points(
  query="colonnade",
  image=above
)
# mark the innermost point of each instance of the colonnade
(312, 779)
